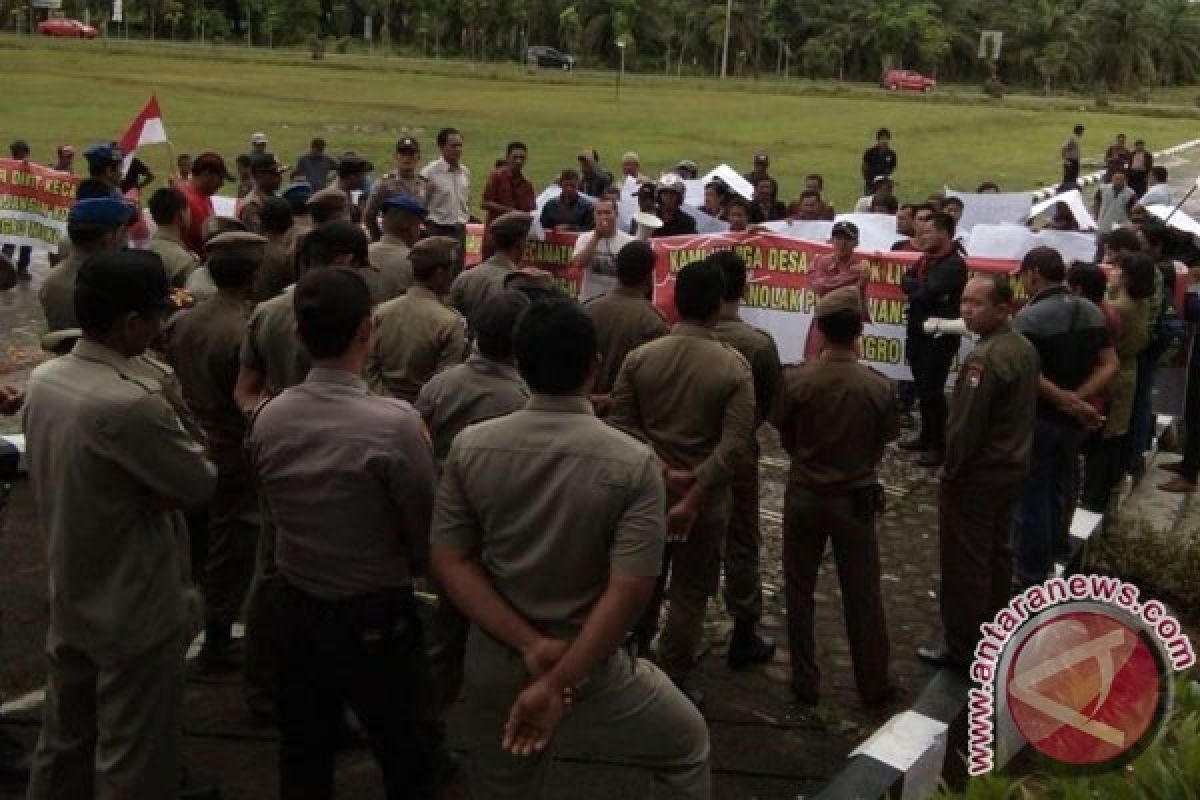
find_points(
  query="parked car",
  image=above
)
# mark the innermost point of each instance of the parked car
(66, 28)
(907, 79)
(543, 56)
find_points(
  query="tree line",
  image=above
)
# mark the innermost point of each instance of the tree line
(1085, 45)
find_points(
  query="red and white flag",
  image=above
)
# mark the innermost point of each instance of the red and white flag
(147, 128)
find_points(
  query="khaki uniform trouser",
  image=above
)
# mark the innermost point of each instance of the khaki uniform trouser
(809, 520)
(628, 712)
(111, 732)
(695, 571)
(741, 548)
(232, 540)
(975, 524)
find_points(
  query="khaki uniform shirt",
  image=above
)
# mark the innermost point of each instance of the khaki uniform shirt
(476, 390)
(202, 345)
(834, 418)
(58, 292)
(416, 336)
(691, 398)
(271, 348)
(472, 287)
(447, 193)
(625, 320)
(250, 210)
(109, 462)
(554, 501)
(177, 259)
(758, 348)
(387, 187)
(390, 256)
(989, 433)
(347, 484)
(277, 271)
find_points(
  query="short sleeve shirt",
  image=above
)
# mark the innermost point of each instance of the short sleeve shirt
(600, 273)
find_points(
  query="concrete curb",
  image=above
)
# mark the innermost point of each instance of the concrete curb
(1093, 178)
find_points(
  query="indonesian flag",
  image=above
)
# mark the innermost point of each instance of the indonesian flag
(147, 128)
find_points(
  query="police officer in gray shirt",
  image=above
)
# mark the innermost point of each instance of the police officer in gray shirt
(347, 483)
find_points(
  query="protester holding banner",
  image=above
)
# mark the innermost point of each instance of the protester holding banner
(595, 252)
(570, 211)
(934, 286)
(209, 174)
(840, 268)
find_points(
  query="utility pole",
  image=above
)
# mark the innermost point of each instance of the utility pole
(725, 46)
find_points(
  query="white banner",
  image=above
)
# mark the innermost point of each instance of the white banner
(997, 208)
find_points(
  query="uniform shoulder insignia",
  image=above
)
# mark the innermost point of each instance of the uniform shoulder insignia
(973, 374)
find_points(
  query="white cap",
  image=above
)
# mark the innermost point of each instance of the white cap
(258, 138)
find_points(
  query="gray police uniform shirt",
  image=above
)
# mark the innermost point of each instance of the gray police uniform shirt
(471, 392)
(555, 501)
(110, 464)
(347, 483)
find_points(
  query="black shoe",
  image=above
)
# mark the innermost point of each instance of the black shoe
(747, 649)
(930, 458)
(941, 657)
(14, 761)
(914, 444)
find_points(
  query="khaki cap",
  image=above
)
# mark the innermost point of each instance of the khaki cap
(432, 252)
(514, 223)
(330, 197)
(843, 299)
(236, 243)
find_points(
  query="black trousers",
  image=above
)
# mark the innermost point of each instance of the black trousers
(365, 652)
(1070, 174)
(930, 359)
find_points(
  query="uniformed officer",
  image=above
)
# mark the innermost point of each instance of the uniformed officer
(548, 534)
(330, 204)
(471, 288)
(110, 464)
(486, 386)
(834, 418)
(347, 480)
(267, 173)
(989, 438)
(402, 219)
(169, 210)
(202, 345)
(297, 196)
(624, 318)
(416, 335)
(277, 271)
(104, 163)
(404, 181)
(743, 539)
(95, 225)
(692, 398)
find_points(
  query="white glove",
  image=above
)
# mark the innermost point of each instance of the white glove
(936, 326)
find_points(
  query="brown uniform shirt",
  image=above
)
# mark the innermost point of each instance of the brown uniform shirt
(202, 345)
(758, 348)
(58, 292)
(250, 210)
(271, 348)
(835, 417)
(390, 256)
(625, 320)
(347, 485)
(416, 336)
(177, 259)
(474, 286)
(691, 398)
(989, 433)
(277, 271)
(473, 391)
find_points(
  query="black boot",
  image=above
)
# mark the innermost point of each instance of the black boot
(746, 647)
(14, 761)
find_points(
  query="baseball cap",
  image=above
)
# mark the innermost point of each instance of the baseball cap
(211, 163)
(103, 212)
(265, 162)
(299, 189)
(402, 202)
(353, 160)
(761, 158)
(845, 228)
(128, 280)
(687, 163)
(258, 138)
(408, 144)
(631, 156)
(103, 155)
(844, 299)
(66, 150)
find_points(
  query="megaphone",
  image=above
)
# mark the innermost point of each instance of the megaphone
(647, 224)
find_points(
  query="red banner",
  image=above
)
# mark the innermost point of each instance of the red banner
(34, 201)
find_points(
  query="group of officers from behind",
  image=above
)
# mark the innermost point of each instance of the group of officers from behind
(555, 470)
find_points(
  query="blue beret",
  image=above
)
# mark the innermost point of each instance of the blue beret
(301, 189)
(100, 155)
(102, 211)
(401, 202)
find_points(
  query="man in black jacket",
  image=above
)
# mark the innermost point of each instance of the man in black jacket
(934, 286)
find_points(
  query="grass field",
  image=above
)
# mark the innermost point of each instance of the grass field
(82, 92)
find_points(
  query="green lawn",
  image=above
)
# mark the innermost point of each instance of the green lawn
(82, 92)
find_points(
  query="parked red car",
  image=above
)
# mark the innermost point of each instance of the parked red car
(65, 28)
(907, 79)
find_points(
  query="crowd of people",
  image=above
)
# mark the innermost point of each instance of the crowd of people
(311, 417)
